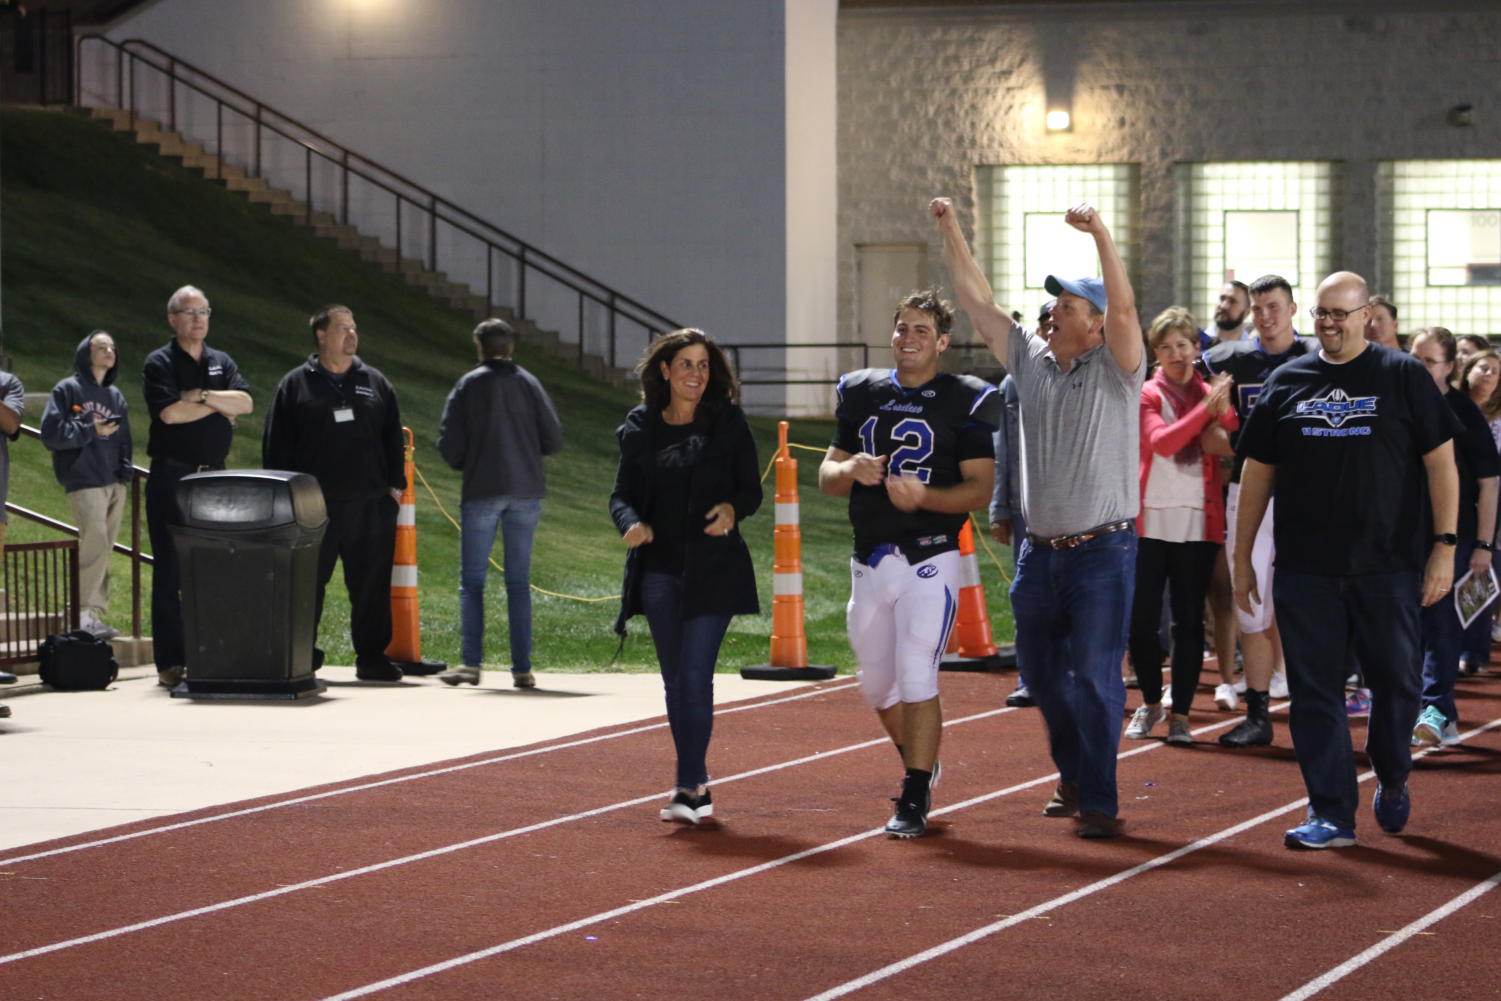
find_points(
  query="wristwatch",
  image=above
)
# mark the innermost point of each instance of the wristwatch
(1447, 538)
(1489, 547)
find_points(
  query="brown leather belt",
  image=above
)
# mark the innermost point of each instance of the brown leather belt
(1075, 541)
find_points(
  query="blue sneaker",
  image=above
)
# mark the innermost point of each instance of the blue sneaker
(1316, 832)
(1391, 808)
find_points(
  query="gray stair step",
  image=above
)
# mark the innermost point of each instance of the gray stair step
(437, 284)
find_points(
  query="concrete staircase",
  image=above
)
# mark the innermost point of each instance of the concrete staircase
(454, 295)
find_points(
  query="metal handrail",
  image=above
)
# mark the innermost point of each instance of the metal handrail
(405, 193)
(133, 551)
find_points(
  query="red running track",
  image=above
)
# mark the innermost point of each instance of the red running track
(544, 873)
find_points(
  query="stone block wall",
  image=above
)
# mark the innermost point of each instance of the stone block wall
(925, 97)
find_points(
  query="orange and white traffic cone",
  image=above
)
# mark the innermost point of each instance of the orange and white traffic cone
(971, 646)
(789, 643)
(405, 649)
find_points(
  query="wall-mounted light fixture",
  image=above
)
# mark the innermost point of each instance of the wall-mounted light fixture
(1461, 115)
(1059, 120)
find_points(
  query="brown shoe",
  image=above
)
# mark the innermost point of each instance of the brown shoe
(1065, 801)
(1098, 825)
(523, 679)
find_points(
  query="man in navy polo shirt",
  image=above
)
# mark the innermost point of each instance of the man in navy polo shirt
(193, 393)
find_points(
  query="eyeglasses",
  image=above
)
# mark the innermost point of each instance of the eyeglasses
(205, 312)
(1337, 315)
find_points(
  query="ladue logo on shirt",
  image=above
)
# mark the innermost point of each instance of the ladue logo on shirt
(1337, 408)
(215, 368)
(364, 391)
(927, 570)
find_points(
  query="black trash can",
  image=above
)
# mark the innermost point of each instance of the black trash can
(248, 540)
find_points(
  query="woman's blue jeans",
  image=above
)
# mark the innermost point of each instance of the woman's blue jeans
(687, 650)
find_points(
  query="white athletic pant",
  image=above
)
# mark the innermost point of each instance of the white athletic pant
(1263, 552)
(899, 618)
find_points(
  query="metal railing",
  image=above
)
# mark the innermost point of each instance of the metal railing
(426, 231)
(41, 595)
(971, 359)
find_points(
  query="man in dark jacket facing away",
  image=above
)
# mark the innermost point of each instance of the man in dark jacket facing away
(498, 423)
(86, 429)
(336, 418)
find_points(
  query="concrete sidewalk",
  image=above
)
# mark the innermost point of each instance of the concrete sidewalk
(80, 761)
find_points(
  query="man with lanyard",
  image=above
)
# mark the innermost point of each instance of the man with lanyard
(193, 394)
(336, 418)
(1249, 364)
(1080, 392)
(1348, 438)
(913, 453)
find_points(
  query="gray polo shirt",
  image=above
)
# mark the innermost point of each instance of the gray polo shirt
(1080, 432)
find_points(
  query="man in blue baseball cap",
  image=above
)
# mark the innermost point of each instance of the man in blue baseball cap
(1079, 383)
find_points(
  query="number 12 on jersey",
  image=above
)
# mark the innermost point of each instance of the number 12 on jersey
(916, 440)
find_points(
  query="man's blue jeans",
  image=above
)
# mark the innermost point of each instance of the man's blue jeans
(687, 650)
(1322, 620)
(517, 519)
(1073, 611)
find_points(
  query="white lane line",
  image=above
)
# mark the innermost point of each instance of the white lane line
(517, 943)
(1393, 940)
(502, 835)
(531, 752)
(944, 948)
(282, 891)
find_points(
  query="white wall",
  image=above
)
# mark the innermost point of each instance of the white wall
(642, 143)
(812, 198)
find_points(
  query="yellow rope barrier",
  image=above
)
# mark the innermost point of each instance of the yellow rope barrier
(540, 590)
(981, 532)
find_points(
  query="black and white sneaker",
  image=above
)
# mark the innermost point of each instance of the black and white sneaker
(910, 819)
(704, 810)
(683, 808)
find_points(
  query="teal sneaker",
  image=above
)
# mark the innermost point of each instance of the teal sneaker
(1430, 729)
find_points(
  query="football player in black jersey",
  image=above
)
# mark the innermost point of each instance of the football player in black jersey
(913, 454)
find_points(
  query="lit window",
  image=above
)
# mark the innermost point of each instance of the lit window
(1245, 220)
(1021, 234)
(1441, 231)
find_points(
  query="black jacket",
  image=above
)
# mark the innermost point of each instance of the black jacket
(718, 576)
(498, 423)
(80, 457)
(354, 459)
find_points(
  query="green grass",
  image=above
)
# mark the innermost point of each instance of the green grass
(98, 232)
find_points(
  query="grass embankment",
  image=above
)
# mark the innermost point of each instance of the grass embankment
(98, 232)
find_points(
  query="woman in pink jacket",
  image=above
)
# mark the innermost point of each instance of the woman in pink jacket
(1184, 425)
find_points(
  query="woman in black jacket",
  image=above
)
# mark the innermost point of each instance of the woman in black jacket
(688, 476)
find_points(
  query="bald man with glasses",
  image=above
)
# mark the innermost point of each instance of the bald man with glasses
(1349, 437)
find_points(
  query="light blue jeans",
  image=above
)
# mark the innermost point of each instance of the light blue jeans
(517, 520)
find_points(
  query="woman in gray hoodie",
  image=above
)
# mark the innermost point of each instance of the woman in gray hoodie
(86, 429)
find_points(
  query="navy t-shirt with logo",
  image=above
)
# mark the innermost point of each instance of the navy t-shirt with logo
(1348, 443)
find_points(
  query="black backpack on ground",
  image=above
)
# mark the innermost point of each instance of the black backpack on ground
(77, 661)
